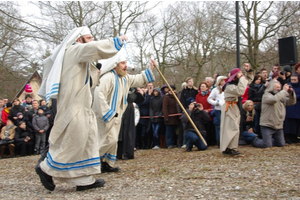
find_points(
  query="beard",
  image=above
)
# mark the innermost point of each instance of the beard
(121, 72)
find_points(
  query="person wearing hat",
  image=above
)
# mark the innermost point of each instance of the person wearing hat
(5, 113)
(156, 119)
(284, 76)
(110, 102)
(68, 76)
(200, 118)
(216, 98)
(171, 122)
(230, 114)
(21, 117)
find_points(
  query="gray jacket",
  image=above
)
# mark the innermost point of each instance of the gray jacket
(273, 107)
(40, 122)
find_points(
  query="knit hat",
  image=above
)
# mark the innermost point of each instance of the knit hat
(157, 89)
(287, 68)
(41, 108)
(19, 113)
(190, 100)
(9, 105)
(233, 73)
(28, 88)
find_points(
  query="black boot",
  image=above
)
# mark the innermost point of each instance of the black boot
(46, 179)
(97, 183)
(105, 167)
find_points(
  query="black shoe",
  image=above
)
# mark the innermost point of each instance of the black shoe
(226, 152)
(234, 152)
(46, 180)
(106, 168)
(97, 183)
(188, 149)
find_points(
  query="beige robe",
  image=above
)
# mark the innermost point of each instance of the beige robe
(109, 99)
(230, 120)
(73, 151)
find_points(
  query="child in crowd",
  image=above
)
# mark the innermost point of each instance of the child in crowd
(40, 125)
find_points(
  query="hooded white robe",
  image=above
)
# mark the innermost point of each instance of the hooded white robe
(73, 150)
(109, 99)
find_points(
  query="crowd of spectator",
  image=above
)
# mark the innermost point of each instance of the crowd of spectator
(167, 126)
(161, 123)
(25, 126)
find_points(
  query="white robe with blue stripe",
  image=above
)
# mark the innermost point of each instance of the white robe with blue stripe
(110, 99)
(74, 150)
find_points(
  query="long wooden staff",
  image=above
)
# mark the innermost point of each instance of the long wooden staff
(189, 118)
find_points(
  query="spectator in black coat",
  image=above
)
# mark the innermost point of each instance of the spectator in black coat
(255, 93)
(24, 140)
(17, 107)
(156, 119)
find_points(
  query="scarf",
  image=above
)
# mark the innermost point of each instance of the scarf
(204, 93)
(6, 133)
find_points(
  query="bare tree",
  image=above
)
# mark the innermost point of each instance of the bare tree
(263, 20)
(14, 51)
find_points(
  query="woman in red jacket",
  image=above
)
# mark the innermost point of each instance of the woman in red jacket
(202, 96)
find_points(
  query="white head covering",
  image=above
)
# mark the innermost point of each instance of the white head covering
(111, 63)
(53, 64)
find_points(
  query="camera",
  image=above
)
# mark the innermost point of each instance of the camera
(269, 79)
(290, 86)
(282, 72)
(196, 105)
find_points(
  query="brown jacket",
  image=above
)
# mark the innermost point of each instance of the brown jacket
(169, 107)
(11, 133)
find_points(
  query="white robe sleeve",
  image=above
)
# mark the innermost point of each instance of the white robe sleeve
(102, 108)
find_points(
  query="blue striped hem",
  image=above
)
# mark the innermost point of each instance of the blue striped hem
(110, 157)
(76, 165)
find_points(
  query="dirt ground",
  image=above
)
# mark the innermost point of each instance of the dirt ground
(272, 173)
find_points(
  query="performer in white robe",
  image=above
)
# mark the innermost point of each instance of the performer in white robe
(73, 154)
(110, 103)
(230, 114)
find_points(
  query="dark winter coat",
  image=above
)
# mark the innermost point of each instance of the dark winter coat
(294, 110)
(144, 110)
(156, 108)
(169, 107)
(245, 126)
(21, 134)
(200, 118)
(185, 94)
(15, 110)
(255, 93)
